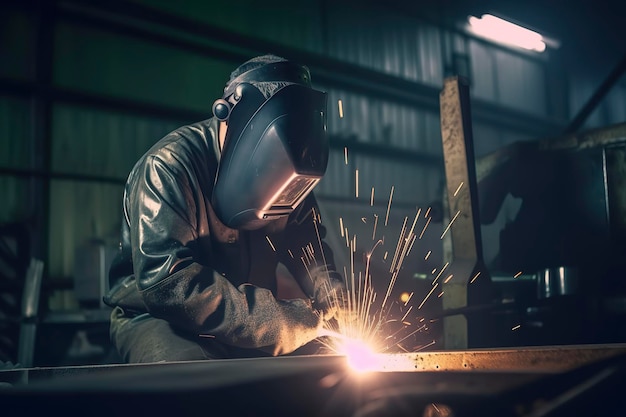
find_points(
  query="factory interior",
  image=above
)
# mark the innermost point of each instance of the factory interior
(479, 184)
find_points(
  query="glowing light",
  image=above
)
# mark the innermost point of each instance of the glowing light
(518, 274)
(404, 297)
(270, 242)
(345, 154)
(361, 357)
(516, 327)
(356, 183)
(340, 105)
(503, 31)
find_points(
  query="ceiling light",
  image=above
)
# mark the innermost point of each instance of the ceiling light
(503, 31)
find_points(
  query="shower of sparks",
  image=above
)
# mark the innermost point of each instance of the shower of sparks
(425, 346)
(458, 189)
(427, 295)
(397, 252)
(375, 224)
(475, 276)
(411, 245)
(389, 206)
(270, 242)
(340, 105)
(403, 320)
(345, 154)
(425, 226)
(450, 224)
(440, 272)
(367, 323)
(518, 274)
(516, 327)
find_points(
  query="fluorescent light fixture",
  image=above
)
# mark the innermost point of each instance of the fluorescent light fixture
(503, 31)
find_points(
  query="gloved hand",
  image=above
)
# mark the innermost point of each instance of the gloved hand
(329, 293)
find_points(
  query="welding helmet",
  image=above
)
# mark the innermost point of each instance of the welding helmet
(275, 150)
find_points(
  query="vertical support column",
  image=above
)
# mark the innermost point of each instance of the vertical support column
(44, 18)
(466, 274)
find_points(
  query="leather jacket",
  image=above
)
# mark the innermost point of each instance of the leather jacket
(178, 262)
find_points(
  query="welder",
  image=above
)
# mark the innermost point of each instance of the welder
(210, 213)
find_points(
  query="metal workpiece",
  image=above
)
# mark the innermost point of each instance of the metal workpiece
(505, 382)
(466, 265)
(549, 359)
(591, 138)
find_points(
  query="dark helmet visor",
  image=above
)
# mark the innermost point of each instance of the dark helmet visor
(268, 167)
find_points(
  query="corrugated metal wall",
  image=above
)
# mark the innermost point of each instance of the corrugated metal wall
(16, 151)
(105, 143)
(92, 142)
(508, 79)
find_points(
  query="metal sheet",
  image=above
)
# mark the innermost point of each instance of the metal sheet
(469, 383)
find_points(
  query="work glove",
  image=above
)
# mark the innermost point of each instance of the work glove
(329, 293)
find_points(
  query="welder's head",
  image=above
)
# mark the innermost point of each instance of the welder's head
(275, 148)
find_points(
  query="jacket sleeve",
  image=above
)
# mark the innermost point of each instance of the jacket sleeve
(175, 286)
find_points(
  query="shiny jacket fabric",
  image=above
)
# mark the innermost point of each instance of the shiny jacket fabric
(178, 262)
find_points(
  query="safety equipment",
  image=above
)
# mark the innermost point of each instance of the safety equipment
(275, 150)
(283, 72)
(329, 292)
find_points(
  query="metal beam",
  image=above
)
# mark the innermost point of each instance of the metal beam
(593, 102)
(466, 267)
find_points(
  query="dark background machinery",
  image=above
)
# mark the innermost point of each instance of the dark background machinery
(568, 234)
